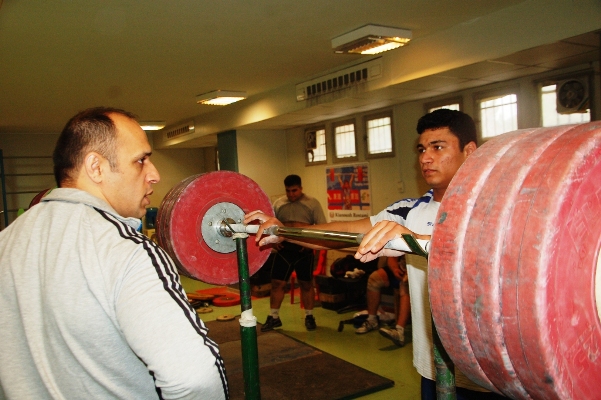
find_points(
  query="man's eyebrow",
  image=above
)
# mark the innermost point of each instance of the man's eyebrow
(143, 154)
(431, 143)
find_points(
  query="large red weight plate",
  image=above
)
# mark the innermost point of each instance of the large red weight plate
(481, 283)
(527, 310)
(446, 262)
(179, 224)
(559, 345)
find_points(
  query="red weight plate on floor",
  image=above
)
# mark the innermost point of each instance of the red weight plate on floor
(481, 283)
(227, 300)
(445, 259)
(559, 343)
(184, 211)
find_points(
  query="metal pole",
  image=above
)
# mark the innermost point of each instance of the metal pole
(248, 325)
(445, 370)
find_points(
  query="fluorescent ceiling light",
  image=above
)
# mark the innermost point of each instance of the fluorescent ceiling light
(220, 97)
(371, 39)
(152, 125)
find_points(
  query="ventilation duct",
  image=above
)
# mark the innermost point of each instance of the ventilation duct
(339, 80)
(177, 131)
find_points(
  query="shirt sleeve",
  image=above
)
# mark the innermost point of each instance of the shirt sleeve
(164, 330)
(318, 215)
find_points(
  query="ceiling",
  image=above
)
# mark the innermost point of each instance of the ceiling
(153, 58)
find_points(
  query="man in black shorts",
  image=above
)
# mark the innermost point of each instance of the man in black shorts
(296, 209)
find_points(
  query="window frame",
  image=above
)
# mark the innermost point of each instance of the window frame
(486, 95)
(444, 102)
(333, 135)
(315, 129)
(369, 117)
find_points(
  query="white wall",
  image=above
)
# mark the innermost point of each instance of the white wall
(173, 164)
(386, 174)
(262, 157)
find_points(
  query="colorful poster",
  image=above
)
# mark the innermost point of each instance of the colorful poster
(348, 192)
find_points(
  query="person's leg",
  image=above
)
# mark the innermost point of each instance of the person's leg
(397, 334)
(304, 273)
(428, 389)
(376, 281)
(280, 273)
(278, 290)
(307, 294)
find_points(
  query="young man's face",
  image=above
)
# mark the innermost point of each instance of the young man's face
(129, 186)
(440, 158)
(294, 192)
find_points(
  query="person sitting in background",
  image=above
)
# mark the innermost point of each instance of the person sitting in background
(393, 274)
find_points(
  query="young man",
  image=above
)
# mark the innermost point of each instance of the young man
(296, 209)
(447, 138)
(89, 307)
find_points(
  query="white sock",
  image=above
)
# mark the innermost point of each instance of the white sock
(401, 330)
(275, 313)
(372, 318)
(308, 312)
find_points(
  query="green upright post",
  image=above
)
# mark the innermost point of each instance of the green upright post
(445, 370)
(248, 325)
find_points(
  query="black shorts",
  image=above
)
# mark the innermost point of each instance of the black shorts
(292, 257)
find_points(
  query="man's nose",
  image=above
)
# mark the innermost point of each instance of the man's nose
(153, 174)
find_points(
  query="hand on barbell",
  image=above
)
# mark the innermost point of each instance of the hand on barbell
(372, 245)
(266, 222)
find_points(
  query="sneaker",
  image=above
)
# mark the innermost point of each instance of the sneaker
(394, 335)
(310, 323)
(367, 326)
(271, 323)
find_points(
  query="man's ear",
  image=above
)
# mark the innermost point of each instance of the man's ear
(469, 148)
(93, 166)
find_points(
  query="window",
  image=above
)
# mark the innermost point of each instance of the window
(453, 103)
(498, 115)
(344, 140)
(379, 134)
(549, 110)
(316, 145)
(454, 106)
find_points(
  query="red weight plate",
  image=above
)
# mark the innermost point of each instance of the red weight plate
(559, 330)
(227, 300)
(445, 259)
(481, 283)
(38, 197)
(186, 210)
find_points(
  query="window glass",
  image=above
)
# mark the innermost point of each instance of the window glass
(454, 106)
(498, 115)
(316, 145)
(379, 135)
(345, 141)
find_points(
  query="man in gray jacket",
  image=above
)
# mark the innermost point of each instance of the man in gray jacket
(89, 307)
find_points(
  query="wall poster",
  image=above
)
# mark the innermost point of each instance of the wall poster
(348, 192)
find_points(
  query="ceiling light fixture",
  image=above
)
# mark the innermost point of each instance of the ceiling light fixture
(152, 125)
(220, 97)
(371, 39)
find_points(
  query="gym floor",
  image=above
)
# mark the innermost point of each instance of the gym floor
(370, 351)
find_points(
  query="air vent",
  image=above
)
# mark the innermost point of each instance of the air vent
(572, 96)
(180, 130)
(339, 80)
